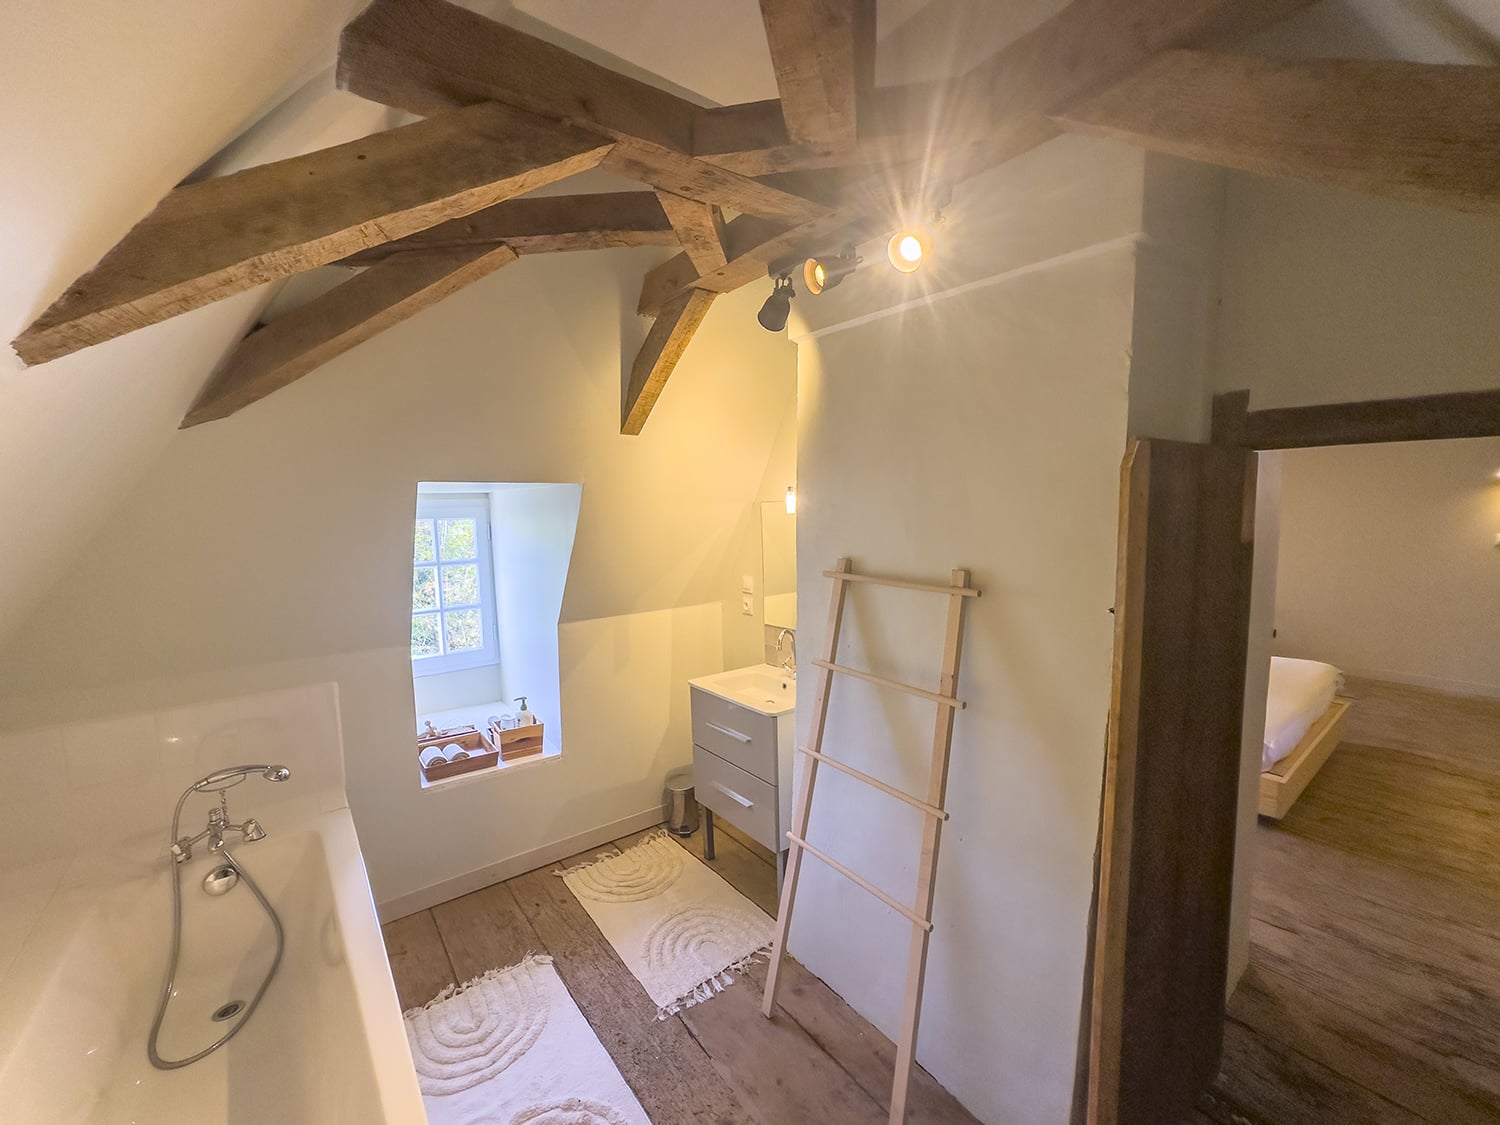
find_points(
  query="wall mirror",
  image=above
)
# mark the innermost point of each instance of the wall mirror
(778, 550)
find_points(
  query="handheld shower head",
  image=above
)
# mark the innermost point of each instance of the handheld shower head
(233, 775)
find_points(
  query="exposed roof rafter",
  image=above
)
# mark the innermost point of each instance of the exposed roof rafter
(278, 354)
(431, 206)
(210, 240)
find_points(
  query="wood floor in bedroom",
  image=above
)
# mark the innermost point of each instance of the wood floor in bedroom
(720, 1062)
(1373, 994)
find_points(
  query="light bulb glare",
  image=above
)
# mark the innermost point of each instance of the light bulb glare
(791, 500)
(906, 250)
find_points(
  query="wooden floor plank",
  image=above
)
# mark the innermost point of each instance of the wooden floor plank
(1380, 1058)
(1276, 1085)
(1374, 988)
(821, 1015)
(485, 930)
(419, 963)
(719, 1062)
(669, 1071)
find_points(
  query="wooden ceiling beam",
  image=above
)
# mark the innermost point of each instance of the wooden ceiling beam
(1084, 49)
(813, 52)
(700, 230)
(428, 55)
(995, 112)
(658, 357)
(281, 352)
(896, 124)
(212, 239)
(684, 176)
(542, 223)
(1413, 131)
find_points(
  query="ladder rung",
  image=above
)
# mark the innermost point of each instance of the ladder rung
(901, 584)
(857, 881)
(945, 700)
(930, 810)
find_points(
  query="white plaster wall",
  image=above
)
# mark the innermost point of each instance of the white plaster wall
(106, 108)
(982, 429)
(1389, 567)
(273, 549)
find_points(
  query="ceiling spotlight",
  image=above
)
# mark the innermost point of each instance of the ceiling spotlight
(819, 274)
(778, 307)
(906, 250)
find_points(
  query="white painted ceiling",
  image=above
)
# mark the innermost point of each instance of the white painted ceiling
(107, 105)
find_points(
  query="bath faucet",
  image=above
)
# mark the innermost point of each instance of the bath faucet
(788, 665)
(218, 818)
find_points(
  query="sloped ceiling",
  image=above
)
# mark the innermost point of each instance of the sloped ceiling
(107, 106)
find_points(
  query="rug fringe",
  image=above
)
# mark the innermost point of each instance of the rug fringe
(453, 990)
(605, 857)
(708, 989)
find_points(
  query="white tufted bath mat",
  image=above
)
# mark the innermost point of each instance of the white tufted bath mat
(511, 1048)
(679, 928)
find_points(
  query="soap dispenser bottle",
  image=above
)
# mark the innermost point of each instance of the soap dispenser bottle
(525, 717)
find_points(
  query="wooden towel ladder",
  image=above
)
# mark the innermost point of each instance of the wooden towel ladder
(920, 913)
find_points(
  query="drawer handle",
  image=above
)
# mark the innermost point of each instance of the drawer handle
(734, 734)
(732, 795)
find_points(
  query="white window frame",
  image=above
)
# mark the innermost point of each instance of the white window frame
(442, 507)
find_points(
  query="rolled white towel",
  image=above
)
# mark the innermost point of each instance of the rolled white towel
(455, 753)
(433, 756)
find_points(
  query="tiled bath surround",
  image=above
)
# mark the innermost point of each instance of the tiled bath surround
(70, 789)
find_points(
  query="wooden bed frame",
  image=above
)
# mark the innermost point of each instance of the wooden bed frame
(1282, 784)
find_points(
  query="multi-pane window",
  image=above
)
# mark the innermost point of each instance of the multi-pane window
(452, 594)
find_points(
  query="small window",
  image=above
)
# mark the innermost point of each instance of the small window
(452, 587)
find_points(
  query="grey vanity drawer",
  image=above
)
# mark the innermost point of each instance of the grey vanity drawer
(736, 734)
(741, 798)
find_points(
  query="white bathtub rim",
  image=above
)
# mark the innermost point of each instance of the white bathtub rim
(42, 954)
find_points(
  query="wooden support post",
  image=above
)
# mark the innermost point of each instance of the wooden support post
(657, 359)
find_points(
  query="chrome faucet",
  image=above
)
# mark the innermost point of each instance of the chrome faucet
(788, 665)
(218, 818)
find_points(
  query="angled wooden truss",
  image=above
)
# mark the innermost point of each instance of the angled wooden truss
(431, 207)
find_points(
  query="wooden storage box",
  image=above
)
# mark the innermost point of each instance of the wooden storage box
(482, 754)
(519, 742)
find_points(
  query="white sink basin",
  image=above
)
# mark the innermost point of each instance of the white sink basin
(760, 687)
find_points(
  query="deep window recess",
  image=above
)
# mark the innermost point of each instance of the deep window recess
(452, 588)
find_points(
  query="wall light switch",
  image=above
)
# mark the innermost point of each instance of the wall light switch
(747, 605)
(747, 583)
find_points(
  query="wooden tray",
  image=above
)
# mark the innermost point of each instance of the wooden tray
(519, 742)
(482, 754)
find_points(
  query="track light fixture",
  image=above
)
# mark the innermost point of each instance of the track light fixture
(778, 307)
(906, 249)
(819, 274)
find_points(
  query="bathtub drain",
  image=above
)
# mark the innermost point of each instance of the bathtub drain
(228, 1011)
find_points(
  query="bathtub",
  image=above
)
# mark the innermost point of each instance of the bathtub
(325, 1046)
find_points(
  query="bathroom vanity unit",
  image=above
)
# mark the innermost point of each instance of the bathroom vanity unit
(742, 753)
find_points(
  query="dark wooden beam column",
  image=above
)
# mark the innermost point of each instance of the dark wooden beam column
(1463, 414)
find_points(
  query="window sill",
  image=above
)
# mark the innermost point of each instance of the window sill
(548, 754)
(478, 716)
